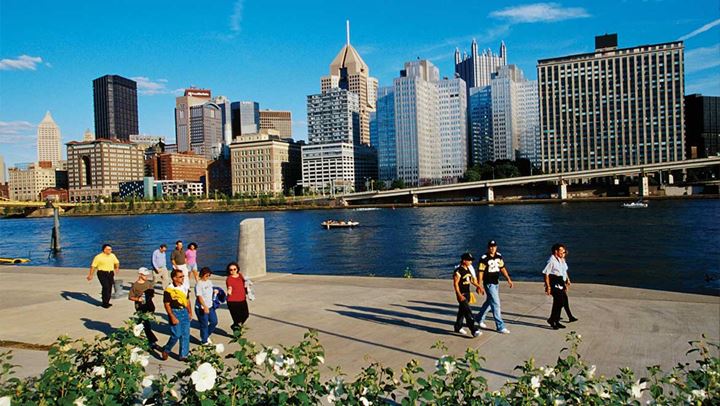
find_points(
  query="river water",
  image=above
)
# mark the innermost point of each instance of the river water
(671, 245)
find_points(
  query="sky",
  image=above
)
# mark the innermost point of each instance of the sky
(275, 52)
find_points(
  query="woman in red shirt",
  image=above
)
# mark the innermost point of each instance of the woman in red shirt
(236, 300)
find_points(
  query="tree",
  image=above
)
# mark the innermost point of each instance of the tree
(380, 185)
(397, 184)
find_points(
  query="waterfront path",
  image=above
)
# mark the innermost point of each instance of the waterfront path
(361, 319)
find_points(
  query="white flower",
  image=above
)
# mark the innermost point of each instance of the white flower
(601, 391)
(5, 401)
(137, 330)
(579, 335)
(174, 394)
(449, 367)
(364, 401)
(289, 362)
(280, 371)
(260, 357)
(80, 401)
(219, 348)
(137, 355)
(275, 351)
(591, 371)
(699, 394)
(673, 380)
(535, 382)
(98, 371)
(147, 381)
(204, 377)
(559, 402)
(331, 397)
(637, 389)
(321, 359)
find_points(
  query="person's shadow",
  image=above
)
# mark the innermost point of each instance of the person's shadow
(81, 296)
(101, 326)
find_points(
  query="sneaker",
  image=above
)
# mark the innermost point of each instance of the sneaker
(462, 331)
(483, 325)
(477, 333)
(209, 341)
(504, 331)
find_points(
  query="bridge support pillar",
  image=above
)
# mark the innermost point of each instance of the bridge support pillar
(644, 190)
(490, 194)
(414, 199)
(671, 179)
(562, 191)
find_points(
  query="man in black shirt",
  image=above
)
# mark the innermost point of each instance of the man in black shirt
(489, 268)
(462, 279)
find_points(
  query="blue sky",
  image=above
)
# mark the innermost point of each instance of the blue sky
(276, 52)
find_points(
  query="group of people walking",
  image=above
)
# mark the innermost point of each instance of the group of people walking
(486, 282)
(177, 300)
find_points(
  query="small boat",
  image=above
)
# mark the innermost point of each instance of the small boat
(13, 260)
(635, 205)
(339, 224)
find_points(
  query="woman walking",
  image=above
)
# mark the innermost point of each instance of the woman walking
(236, 299)
(204, 307)
(191, 260)
(557, 283)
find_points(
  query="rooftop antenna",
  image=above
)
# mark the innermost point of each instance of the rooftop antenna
(347, 29)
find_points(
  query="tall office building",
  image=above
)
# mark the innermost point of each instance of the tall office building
(612, 107)
(191, 97)
(116, 108)
(476, 69)
(277, 120)
(702, 124)
(48, 140)
(514, 114)
(206, 130)
(226, 115)
(452, 117)
(96, 168)
(26, 183)
(348, 71)
(383, 134)
(417, 124)
(335, 160)
(3, 176)
(245, 118)
(265, 163)
(481, 125)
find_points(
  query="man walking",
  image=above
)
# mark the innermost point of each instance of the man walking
(178, 262)
(107, 266)
(462, 279)
(490, 266)
(177, 306)
(142, 292)
(159, 263)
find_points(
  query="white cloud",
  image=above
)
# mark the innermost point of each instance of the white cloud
(709, 85)
(22, 62)
(236, 17)
(16, 132)
(149, 87)
(540, 12)
(702, 58)
(700, 30)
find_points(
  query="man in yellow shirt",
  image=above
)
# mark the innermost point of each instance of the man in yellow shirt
(107, 265)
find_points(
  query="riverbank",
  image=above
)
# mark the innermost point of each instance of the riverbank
(363, 319)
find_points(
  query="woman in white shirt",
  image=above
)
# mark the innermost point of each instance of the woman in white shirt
(557, 283)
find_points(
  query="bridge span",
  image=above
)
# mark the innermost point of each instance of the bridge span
(560, 178)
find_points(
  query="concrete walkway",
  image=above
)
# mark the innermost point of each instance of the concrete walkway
(361, 319)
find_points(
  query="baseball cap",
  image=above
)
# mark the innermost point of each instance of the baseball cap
(467, 257)
(492, 243)
(144, 271)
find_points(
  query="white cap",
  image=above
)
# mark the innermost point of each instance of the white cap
(144, 271)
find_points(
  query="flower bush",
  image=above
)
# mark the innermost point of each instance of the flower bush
(111, 371)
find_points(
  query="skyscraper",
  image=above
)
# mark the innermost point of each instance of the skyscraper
(417, 125)
(612, 107)
(206, 130)
(481, 125)
(116, 109)
(48, 140)
(452, 117)
(245, 118)
(191, 97)
(476, 69)
(702, 124)
(348, 71)
(383, 134)
(277, 120)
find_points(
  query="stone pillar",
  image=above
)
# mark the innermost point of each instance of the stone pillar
(490, 194)
(251, 248)
(562, 191)
(644, 191)
(671, 179)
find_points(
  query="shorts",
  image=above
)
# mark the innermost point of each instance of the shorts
(192, 267)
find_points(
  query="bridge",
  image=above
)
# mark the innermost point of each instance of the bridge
(559, 178)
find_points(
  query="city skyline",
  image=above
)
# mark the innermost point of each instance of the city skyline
(49, 59)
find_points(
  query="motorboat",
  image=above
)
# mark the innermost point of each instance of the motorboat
(13, 260)
(635, 205)
(339, 224)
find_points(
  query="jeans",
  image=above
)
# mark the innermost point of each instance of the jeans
(492, 301)
(180, 331)
(464, 312)
(208, 322)
(107, 279)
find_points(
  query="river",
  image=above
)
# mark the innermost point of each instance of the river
(671, 245)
